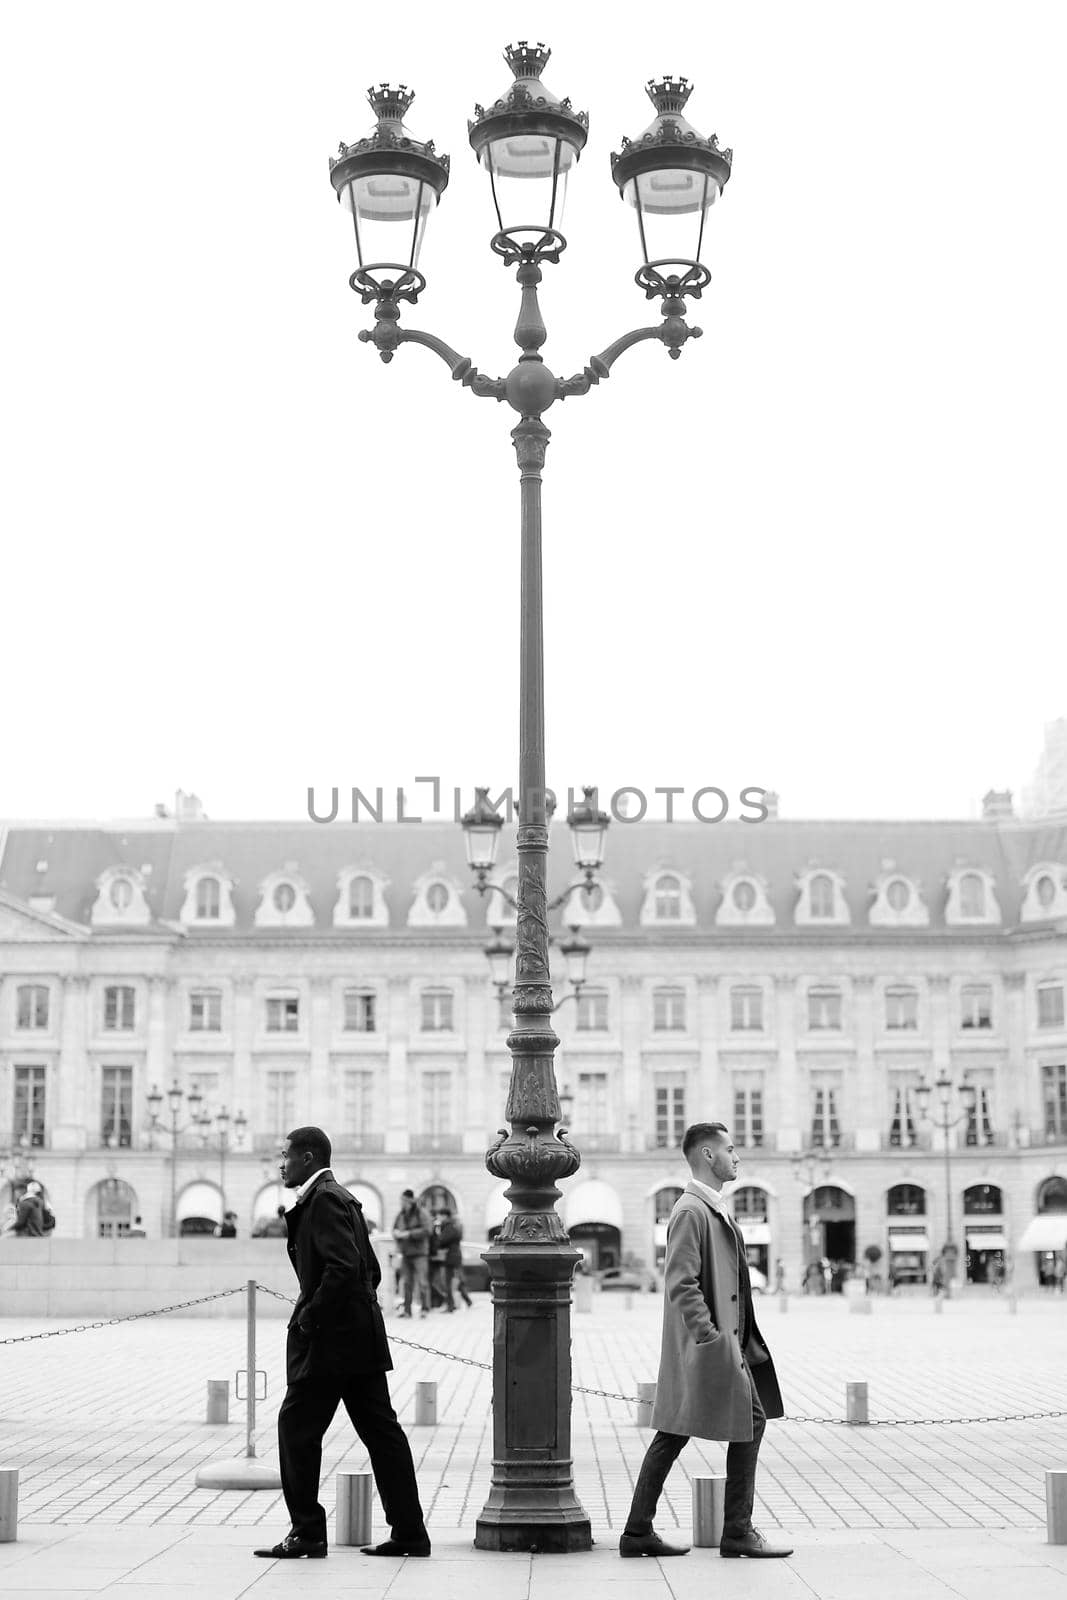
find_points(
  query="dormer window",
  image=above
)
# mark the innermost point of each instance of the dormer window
(745, 902)
(668, 900)
(208, 900)
(898, 894)
(438, 901)
(284, 898)
(897, 901)
(972, 895)
(361, 899)
(743, 895)
(121, 894)
(437, 898)
(120, 899)
(1044, 893)
(821, 896)
(284, 901)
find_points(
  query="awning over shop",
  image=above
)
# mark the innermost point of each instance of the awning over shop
(909, 1241)
(986, 1241)
(755, 1232)
(200, 1200)
(1047, 1232)
(592, 1201)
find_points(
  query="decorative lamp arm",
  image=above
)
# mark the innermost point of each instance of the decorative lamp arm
(385, 336)
(673, 331)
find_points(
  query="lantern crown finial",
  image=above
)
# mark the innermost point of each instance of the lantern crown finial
(527, 60)
(668, 93)
(390, 102)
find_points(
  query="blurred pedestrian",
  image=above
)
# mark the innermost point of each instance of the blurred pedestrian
(448, 1255)
(136, 1230)
(33, 1216)
(227, 1228)
(412, 1228)
(779, 1276)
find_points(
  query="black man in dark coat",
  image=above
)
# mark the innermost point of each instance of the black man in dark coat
(337, 1353)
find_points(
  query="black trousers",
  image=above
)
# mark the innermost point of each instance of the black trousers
(664, 1451)
(307, 1411)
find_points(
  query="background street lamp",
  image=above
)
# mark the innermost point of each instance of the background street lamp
(529, 142)
(222, 1133)
(175, 1098)
(806, 1165)
(945, 1121)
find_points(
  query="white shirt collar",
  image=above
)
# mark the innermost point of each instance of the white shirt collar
(304, 1187)
(713, 1196)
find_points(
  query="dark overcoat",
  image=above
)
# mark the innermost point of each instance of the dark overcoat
(337, 1328)
(702, 1390)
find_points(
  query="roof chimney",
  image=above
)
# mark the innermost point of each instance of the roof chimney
(996, 805)
(770, 800)
(188, 807)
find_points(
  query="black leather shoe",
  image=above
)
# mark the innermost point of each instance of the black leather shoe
(398, 1547)
(753, 1544)
(649, 1544)
(293, 1547)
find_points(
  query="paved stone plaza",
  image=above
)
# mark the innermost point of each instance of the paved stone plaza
(107, 1428)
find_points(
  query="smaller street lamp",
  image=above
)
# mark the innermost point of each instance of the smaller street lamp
(222, 1126)
(176, 1097)
(945, 1121)
(806, 1165)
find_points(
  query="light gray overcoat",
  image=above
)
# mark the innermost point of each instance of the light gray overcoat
(702, 1390)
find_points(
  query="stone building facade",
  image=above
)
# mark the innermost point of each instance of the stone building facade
(797, 980)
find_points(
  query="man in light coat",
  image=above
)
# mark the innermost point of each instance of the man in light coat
(716, 1376)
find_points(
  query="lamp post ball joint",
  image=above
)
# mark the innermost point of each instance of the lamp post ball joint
(528, 142)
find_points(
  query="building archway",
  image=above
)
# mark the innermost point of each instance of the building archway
(199, 1210)
(984, 1237)
(111, 1206)
(436, 1196)
(592, 1216)
(909, 1242)
(664, 1197)
(830, 1224)
(749, 1204)
(1046, 1232)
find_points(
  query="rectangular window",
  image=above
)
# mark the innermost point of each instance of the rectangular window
(591, 1103)
(281, 1102)
(976, 1006)
(1054, 1096)
(825, 1129)
(748, 1117)
(505, 1016)
(283, 1013)
(980, 1121)
(1050, 1005)
(670, 1113)
(31, 1011)
(205, 1011)
(902, 1010)
(436, 1103)
(592, 1015)
(824, 1010)
(360, 1011)
(437, 1011)
(116, 1107)
(358, 1102)
(902, 1134)
(668, 1010)
(746, 1010)
(29, 1108)
(118, 1008)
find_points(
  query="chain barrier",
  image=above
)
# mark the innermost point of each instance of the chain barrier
(486, 1366)
(132, 1316)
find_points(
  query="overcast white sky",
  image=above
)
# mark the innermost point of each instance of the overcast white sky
(823, 552)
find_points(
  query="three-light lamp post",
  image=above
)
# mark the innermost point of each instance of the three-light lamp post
(529, 142)
(200, 1119)
(965, 1095)
(223, 1133)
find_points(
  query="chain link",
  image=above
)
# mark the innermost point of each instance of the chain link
(486, 1366)
(111, 1322)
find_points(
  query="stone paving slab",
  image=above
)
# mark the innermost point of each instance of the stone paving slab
(107, 1426)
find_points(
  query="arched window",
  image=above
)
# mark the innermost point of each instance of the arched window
(437, 897)
(360, 899)
(905, 1200)
(284, 897)
(750, 1203)
(436, 1198)
(1045, 889)
(981, 1199)
(208, 899)
(972, 895)
(121, 893)
(821, 895)
(1052, 1195)
(898, 894)
(668, 900)
(665, 1200)
(744, 895)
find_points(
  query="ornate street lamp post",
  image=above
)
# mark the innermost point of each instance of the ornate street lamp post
(946, 1122)
(805, 1171)
(529, 143)
(222, 1133)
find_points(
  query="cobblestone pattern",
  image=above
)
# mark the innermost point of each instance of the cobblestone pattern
(107, 1426)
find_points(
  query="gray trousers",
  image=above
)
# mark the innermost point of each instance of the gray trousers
(741, 1458)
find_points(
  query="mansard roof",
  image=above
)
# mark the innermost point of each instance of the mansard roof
(778, 850)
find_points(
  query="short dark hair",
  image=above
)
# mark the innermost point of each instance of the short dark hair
(699, 1132)
(316, 1141)
(407, 1194)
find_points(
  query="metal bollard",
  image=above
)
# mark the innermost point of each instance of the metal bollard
(425, 1405)
(353, 1508)
(646, 1399)
(9, 1504)
(218, 1400)
(939, 1305)
(856, 1402)
(627, 1302)
(1013, 1303)
(863, 1307)
(783, 1301)
(1056, 1505)
(583, 1293)
(709, 1498)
